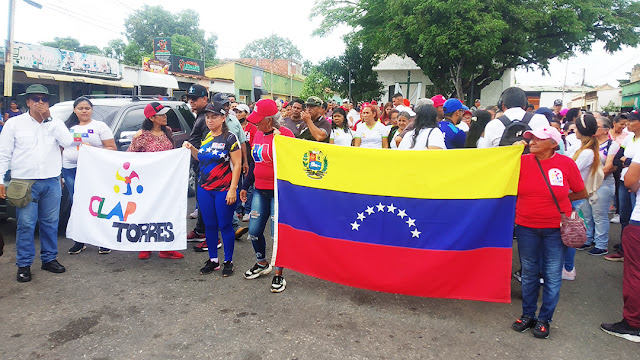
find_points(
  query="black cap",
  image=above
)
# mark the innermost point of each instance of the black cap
(216, 108)
(221, 98)
(633, 115)
(197, 90)
(557, 102)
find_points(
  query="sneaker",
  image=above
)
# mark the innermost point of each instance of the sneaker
(76, 248)
(219, 244)
(614, 257)
(541, 330)
(518, 275)
(622, 329)
(584, 247)
(241, 231)
(103, 250)
(227, 268)
(257, 270)
(144, 255)
(523, 324)
(24, 274)
(201, 246)
(194, 236)
(194, 214)
(568, 275)
(598, 252)
(53, 266)
(171, 255)
(246, 217)
(209, 267)
(615, 219)
(278, 284)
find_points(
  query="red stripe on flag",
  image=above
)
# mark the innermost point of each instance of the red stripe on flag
(482, 274)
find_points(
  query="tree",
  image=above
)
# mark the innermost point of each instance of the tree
(66, 43)
(359, 60)
(465, 44)
(188, 39)
(316, 84)
(115, 49)
(271, 47)
(611, 107)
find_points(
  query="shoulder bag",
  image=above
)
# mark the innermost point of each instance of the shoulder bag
(572, 229)
(19, 192)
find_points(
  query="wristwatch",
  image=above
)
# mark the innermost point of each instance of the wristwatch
(48, 119)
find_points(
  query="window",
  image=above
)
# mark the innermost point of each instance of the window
(187, 115)
(173, 122)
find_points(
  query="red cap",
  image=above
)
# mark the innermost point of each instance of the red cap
(262, 109)
(155, 108)
(438, 100)
(373, 102)
(406, 102)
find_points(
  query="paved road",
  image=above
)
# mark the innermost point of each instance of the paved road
(117, 307)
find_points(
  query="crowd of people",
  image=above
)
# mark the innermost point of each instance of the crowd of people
(574, 160)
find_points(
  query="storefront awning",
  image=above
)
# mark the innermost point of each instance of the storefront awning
(146, 78)
(72, 78)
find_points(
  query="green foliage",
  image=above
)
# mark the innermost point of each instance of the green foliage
(316, 84)
(271, 47)
(66, 43)
(115, 49)
(458, 43)
(364, 81)
(611, 107)
(183, 28)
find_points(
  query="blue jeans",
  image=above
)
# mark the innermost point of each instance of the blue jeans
(217, 214)
(69, 176)
(44, 210)
(597, 216)
(627, 201)
(530, 242)
(262, 207)
(246, 207)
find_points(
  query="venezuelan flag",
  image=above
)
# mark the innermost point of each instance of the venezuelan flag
(435, 223)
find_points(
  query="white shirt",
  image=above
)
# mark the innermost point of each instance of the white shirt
(495, 128)
(402, 108)
(436, 138)
(352, 117)
(341, 137)
(371, 137)
(32, 149)
(635, 214)
(463, 126)
(93, 133)
(630, 145)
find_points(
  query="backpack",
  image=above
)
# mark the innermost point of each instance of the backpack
(514, 130)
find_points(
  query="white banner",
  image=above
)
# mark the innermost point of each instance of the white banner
(131, 201)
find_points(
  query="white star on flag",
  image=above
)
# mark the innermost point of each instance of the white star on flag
(361, 216)
(402, 214)
(370, 210)
(215, 152)
(201, 150)
(391, 208)
(355, 225)
(380, 207)
(411, 222)
(415, 233)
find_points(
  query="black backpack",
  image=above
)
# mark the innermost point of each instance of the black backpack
(514, 130)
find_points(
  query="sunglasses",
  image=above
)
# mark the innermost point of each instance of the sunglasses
(237, 110)
(194, 98)
(36, 98)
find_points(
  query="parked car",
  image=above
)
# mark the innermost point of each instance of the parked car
(124, 115)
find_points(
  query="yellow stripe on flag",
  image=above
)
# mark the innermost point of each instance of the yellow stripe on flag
(432, 174)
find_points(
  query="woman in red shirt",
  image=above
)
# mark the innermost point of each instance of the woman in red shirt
(154, 136)
(537, 229)
(262, 204)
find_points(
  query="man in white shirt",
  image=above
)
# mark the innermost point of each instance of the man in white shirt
(30, 144)
(513, 103)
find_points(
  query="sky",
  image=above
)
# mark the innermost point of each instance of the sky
(95, 22)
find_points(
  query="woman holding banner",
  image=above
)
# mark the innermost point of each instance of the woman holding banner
(90, 132)
(262, 205)
(220, 166)
(154, 136)
(537, 229)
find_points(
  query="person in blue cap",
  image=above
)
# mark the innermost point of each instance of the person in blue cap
(454, 138)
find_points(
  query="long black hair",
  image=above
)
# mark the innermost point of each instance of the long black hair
(482, 118)
(345, 122)
(426, 117)
(73, 118)
(147, 124)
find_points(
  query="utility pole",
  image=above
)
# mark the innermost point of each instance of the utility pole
(351, 101)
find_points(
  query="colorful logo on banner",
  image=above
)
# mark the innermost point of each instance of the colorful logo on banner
(148, 232)
(315, 164)
(188, 66)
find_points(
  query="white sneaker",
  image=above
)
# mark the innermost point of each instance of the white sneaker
(568, 275)
(194, 214)
(615, 219)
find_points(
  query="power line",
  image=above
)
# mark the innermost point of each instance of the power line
(79, 16)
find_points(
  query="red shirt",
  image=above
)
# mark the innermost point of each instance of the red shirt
(250, 132)
(535, 207)
(262, 152)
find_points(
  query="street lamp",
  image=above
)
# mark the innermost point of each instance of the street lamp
(8, 64)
